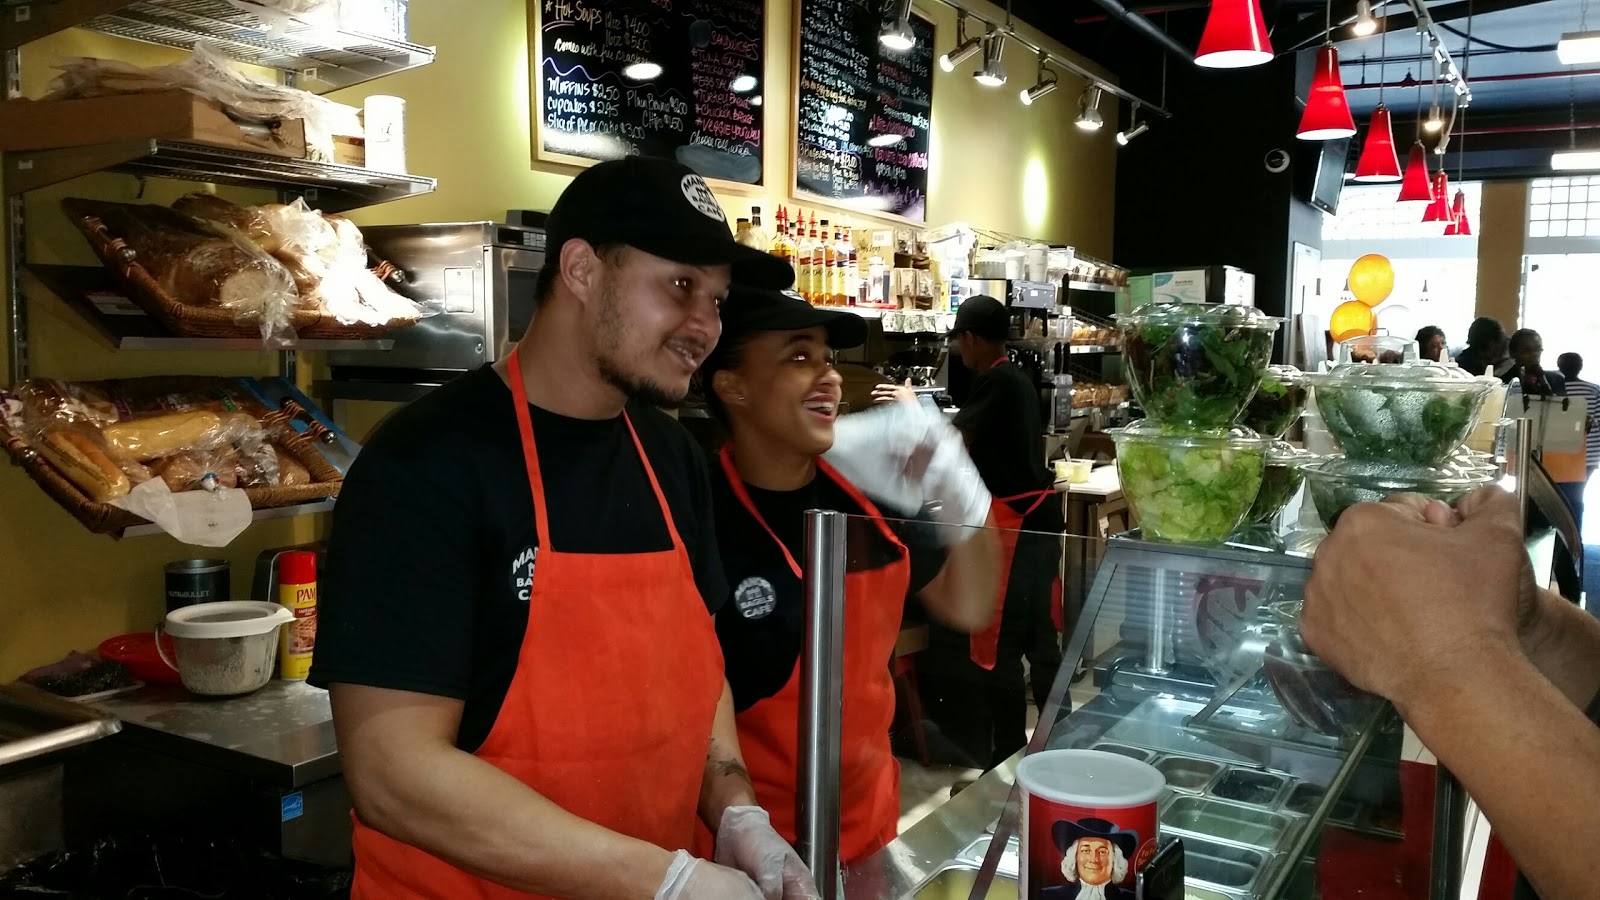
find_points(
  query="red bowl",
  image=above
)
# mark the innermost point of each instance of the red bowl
(137, 653)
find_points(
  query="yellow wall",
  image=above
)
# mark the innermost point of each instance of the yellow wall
(1502, 226)
(996, 164)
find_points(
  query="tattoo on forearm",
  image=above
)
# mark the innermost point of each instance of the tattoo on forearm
(729, 768)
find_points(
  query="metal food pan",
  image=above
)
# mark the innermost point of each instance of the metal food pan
(955, 882)
(1140, 753)
(1216, 865)
(1252, 787)
(1229, 822)
(1188, 774)
(978, 849)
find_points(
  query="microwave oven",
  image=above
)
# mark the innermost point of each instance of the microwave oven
(480, 274)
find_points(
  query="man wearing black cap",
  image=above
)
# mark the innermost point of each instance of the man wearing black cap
(978, 692)
(771, 381)
(516, 628)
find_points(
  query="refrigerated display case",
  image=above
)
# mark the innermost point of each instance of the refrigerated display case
(1194, 665)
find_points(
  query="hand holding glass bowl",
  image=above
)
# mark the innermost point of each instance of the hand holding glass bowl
(1195, 366)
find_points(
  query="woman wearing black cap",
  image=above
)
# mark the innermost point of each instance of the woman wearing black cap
(772, 383)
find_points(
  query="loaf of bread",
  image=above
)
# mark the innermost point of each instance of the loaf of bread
(186, 471)
(81, 460)
(153, 437)
(249, 221)
(199, 264)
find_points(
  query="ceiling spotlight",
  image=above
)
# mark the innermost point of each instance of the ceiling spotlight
(1365, 24)
(1123, 137)
(964, 47)
(1435, 120)
(1579, 47)
(885, 140)
(1089, 118)
(896, 33)
(993, 73)
(744, 84)
(641, 71)
(1045, 84)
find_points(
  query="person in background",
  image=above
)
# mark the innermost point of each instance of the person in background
(1527, 349)
(1492, 672)
(772, 383)
(1434, 347)
(1486, 348)
(977, 691)
(1570, 365)
(516, 615)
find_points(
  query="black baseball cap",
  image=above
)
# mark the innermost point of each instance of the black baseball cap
(663, 208)
(984, 316)
(750, 309)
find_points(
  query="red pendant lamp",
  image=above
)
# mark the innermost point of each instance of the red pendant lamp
(1235, 36)
(1327, 114)
(1416, 187)
(1439, 208)
(1458, 216)
(1464, 225)
(1378, 159)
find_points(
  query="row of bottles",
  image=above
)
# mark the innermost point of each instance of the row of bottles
(822, 254)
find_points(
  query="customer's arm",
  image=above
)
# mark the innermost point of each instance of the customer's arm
(1450, 656)
(1563, 641)
(1526, 754)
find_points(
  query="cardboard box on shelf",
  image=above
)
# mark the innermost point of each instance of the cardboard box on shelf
(349, 151)
(165, 115)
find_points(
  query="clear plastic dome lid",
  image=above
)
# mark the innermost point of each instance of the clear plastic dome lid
(1220, 314)
(1379, 348)
(1238, 436)
(1400, 476)
(1423, 375)
(1283, 453)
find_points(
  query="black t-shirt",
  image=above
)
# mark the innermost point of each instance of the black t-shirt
(762, 626)
(425, 588)
(1006, 438)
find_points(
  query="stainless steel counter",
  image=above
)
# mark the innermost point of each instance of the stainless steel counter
(282, 733)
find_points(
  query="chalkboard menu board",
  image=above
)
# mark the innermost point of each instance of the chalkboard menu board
(680, 79)
(863, 110)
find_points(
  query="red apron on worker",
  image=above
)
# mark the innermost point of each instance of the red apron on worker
(985, 644)
(769, 731)
(610, 711)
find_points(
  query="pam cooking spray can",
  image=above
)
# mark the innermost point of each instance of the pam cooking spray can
(297, 590)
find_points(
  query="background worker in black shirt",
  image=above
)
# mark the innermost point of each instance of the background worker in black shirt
(528, 692)
(975, 687)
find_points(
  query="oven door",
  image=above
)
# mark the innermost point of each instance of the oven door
(513, 289)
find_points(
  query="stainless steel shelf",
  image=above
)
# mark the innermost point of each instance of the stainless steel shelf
(261, 515)
(75, 285)
(332, 188)
(1094, 348)
(1091, 286)
(323, 59)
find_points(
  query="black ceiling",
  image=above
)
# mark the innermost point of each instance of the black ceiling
(1523, 98)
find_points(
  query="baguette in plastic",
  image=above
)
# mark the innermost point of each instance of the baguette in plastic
(80, 459)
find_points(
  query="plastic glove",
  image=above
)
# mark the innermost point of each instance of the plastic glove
(747, 841)
(909, 459)
(693, 879)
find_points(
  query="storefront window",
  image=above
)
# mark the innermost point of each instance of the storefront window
(1436, 277)
(1562, 267)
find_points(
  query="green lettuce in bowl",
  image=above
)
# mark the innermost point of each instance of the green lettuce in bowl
(1280, 481)
(1417, 414)
(1195, 365)
(1277, 403)
(1189, 488)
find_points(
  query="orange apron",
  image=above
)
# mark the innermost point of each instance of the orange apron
(769, 731)
(610, 711)
(985, 644)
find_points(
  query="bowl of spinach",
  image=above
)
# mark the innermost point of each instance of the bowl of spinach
(1278, 402)
(1417, 414)
(1337, 484)
(1280, 481)
(1195, 366)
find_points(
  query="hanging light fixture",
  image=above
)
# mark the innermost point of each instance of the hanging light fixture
(1435, 120)
(1365, 24)
(993, 72)
(1458, 213)
(1327, 113)
(896, 33)
(1417, 186)
(1045, 83)
(1089, 118)
(1458, 207)
(1123, 137)
(1379, 162)
(1235, 36)
(1439, 208)
(964, 47)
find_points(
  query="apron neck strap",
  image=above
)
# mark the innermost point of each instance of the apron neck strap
(530, 459)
